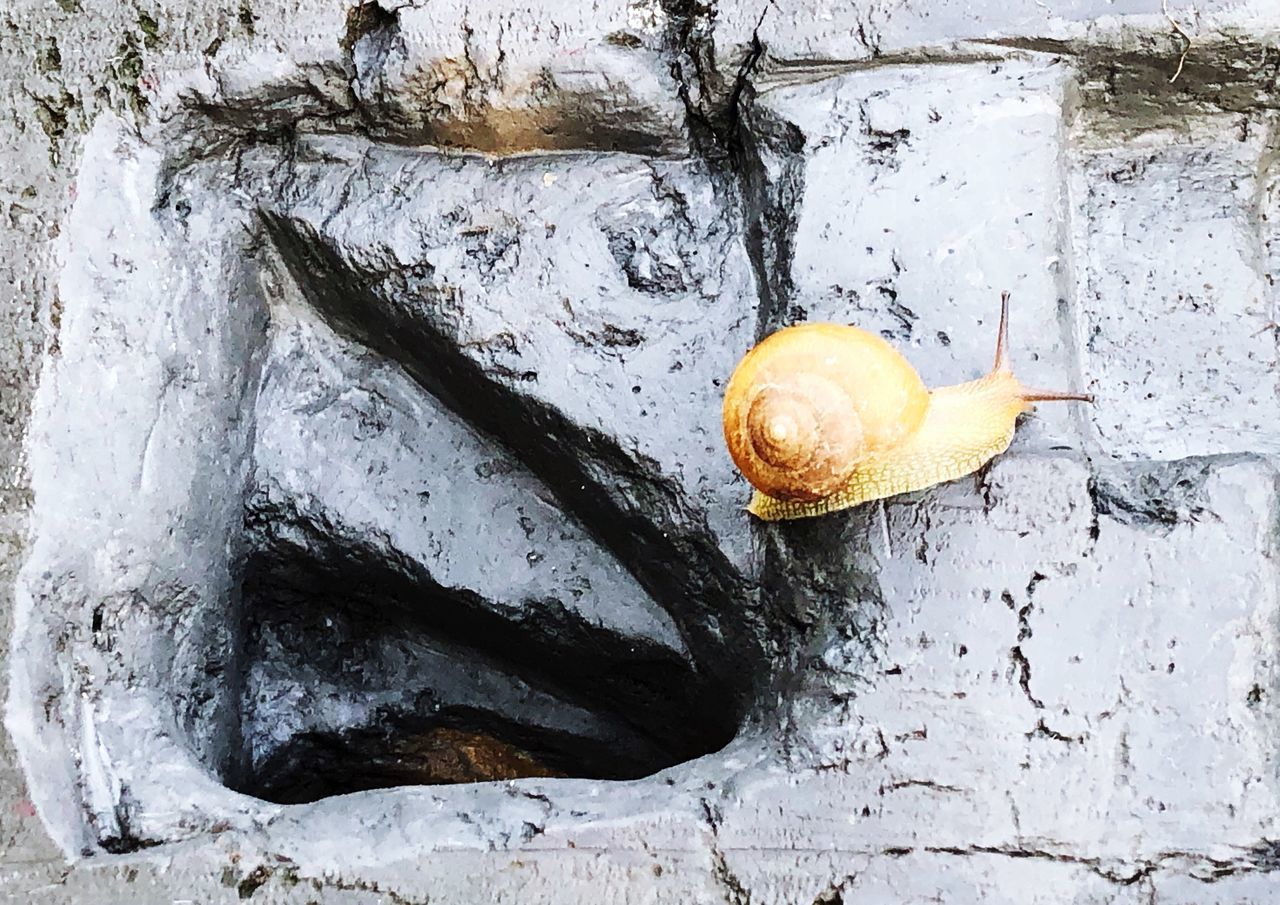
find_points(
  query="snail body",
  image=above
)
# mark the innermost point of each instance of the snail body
(822, 417)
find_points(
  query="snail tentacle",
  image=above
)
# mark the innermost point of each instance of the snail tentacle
(1004, 364)
(1002, 336)
(1030, 394)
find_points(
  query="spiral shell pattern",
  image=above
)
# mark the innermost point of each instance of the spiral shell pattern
(810, 402)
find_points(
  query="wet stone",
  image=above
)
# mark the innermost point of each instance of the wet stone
(380, 541)
(1176, 303)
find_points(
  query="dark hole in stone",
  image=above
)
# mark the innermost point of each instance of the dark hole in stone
(317, 765)
(361, 673)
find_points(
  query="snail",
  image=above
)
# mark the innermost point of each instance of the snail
(822, 417)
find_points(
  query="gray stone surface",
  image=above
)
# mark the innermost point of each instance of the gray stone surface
(361, 381)
(384, 450)
(1180, 218)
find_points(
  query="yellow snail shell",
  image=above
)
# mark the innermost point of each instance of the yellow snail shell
(821, 417)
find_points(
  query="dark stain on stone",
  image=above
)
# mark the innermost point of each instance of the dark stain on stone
(363, 19)
(1157, 495)
(253, 882)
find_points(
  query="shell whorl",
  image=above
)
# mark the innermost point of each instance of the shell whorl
(804, 436)
(807, 404)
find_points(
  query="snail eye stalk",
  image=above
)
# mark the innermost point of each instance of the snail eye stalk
(1028, 394)
(1002, 336)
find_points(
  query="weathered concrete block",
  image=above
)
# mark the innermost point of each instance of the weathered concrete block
(377, 451)
(1175, 300)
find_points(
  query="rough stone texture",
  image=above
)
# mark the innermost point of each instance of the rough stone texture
(505, 76)
(376, 441)
(1180, 221)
